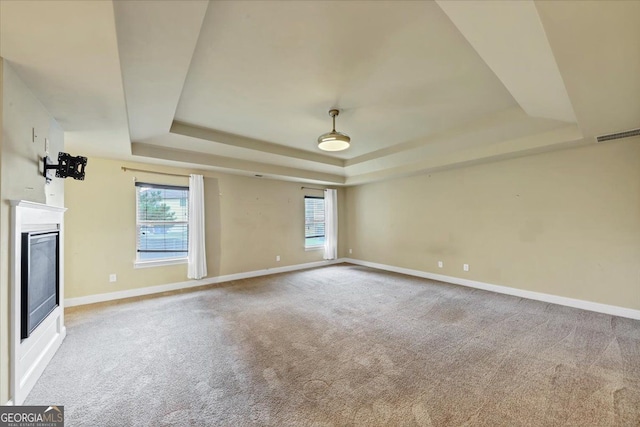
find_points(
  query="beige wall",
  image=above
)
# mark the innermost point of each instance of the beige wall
(248, 220)
(565, 223)
(21, 179)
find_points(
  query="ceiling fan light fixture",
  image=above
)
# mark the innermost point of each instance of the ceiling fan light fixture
(334, 141)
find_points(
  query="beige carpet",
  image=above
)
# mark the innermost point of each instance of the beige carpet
(340, 346)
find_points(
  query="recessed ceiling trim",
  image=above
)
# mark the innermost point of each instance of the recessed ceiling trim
(510, 38)
(155, 38)
(220, 137)
(494, 120)
(192, 157)
(596, 47)
(569, 136)
(482, 143)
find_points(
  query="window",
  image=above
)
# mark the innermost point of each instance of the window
(313, 222)
(162, 225)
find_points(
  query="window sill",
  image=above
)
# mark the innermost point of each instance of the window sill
(313, 248)
(159, 262)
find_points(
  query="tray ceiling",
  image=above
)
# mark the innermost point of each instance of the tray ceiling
(245, 86)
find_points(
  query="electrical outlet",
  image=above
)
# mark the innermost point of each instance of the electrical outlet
(350, 251)
(113, 278)
(465, 267)
(277, 257)
(440, 264)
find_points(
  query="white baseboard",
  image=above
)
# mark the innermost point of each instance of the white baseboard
(110, 296)
(539, 296)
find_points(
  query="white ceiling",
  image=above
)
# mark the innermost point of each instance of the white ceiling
(245, 86)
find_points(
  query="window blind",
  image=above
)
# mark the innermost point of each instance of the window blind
(314, 228)
(162, 221)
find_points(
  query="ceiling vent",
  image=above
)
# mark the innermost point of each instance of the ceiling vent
(619, 135)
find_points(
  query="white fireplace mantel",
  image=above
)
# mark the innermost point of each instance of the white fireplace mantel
(30, 356)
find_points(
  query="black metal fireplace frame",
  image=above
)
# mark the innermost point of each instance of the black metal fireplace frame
(25, 328)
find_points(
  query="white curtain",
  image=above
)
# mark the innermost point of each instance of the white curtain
(330, 224)
(197, 253)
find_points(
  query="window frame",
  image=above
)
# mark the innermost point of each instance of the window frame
(142, 263)
(312, 247)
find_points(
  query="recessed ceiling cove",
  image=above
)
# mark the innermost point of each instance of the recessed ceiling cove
(245, 86)
(271, 71)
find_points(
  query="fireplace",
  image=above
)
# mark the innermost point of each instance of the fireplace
(37, 292)
(40, 278)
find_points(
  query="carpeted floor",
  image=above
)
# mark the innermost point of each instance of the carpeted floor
(339, 346)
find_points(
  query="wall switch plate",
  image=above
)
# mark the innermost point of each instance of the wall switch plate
(465, 267)
(46, 145)
(113, 278)
(277, 257)
(350, 251)
(440, 264)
